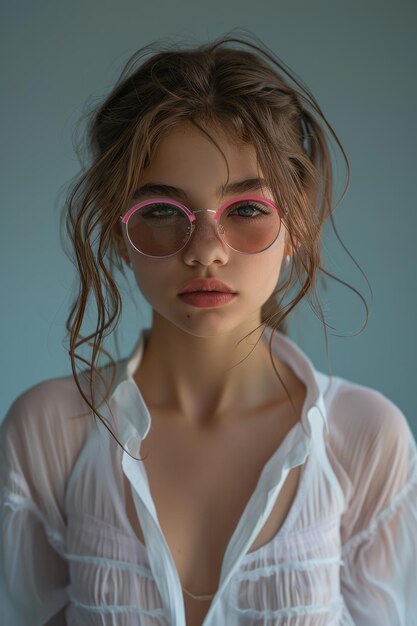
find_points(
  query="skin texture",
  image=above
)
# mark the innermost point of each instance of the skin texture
(186, 364)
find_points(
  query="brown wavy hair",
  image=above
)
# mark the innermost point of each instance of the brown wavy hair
(220, 84)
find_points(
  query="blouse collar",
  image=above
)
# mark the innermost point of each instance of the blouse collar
(134, 416)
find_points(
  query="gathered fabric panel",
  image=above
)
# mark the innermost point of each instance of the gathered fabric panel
(111, 579)
(291, 581)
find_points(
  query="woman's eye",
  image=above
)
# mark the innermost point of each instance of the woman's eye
(249, 210)
(159, 211)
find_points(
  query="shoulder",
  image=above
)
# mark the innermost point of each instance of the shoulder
(42, 437)
(42, 434)
(358, 410)
(45, 406)
(62, 400)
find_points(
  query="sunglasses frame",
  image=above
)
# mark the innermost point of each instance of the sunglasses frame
(192, 218)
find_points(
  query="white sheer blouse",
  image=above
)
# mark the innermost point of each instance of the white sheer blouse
(346, 554)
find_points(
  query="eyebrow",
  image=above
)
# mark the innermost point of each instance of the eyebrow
(159, 189)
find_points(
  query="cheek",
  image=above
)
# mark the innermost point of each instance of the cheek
(260, 277)
(154, 278)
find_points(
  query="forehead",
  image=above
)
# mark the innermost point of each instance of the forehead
(189, 136)
(187, 159)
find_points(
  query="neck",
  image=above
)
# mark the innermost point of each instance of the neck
(203, 380)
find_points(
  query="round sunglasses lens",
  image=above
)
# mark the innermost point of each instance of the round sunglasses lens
(158, 229)
(162, 228)
(250, 226)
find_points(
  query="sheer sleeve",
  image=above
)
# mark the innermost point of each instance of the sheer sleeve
(33, 574)
(379, 526)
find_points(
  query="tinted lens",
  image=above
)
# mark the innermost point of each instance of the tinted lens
(250, 226)
(161, 228)
(158, 229)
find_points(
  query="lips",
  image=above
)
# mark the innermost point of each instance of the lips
(207, 299)
(206, 284)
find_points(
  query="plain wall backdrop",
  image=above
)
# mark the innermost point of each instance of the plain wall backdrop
(358, 58)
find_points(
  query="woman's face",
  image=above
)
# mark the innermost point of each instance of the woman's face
(186, 159)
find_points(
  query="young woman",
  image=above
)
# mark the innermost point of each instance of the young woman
(226, 481)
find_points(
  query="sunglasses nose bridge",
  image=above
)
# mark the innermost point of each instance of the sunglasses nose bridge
(203, 226)
(209, 210)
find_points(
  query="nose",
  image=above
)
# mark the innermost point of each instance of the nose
(206, 226)
(200, 246)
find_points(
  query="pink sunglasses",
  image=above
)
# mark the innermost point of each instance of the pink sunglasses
(157, 236)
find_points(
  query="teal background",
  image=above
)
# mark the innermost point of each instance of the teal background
(359, 60)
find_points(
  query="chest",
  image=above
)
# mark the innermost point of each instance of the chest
(201, 483)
